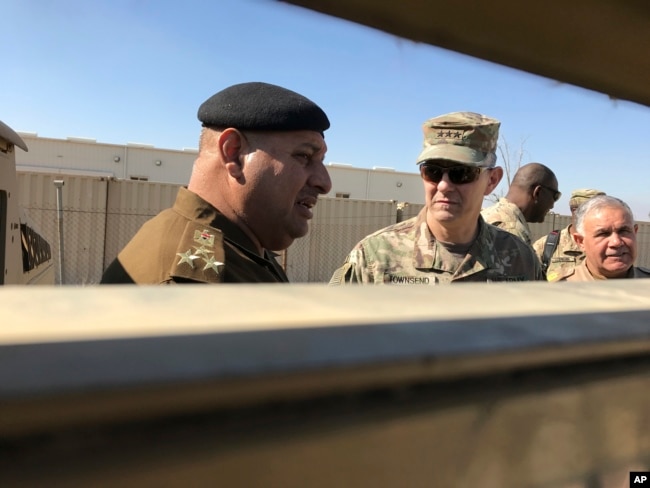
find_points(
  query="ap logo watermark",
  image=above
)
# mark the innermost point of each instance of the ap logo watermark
(639, 479)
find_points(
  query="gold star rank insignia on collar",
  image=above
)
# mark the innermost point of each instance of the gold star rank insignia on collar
(187, 257)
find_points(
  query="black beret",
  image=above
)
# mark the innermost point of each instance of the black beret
(262, 106)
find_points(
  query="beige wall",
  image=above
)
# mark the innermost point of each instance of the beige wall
(85, 156)
(70, 156)
(100, 215)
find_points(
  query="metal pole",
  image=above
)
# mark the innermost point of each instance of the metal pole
(59, 218)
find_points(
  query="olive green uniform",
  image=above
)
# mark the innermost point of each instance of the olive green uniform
(566, 256)
(192, 242)
(582, 273)
(407, 253)
(507, 216)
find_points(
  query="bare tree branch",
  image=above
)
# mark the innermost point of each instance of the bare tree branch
(511, 161)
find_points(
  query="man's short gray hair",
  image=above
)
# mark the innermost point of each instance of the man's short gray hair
(597, 203)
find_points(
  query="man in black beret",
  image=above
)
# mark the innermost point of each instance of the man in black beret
(256, 179)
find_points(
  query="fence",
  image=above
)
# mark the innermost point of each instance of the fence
(101, 215)
(84, 219)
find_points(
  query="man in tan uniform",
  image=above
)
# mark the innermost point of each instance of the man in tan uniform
(557, 251)
(257, 177)
(606, 232)
(532, 193)
(448, 241)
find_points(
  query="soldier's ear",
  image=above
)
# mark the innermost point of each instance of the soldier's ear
(579, 239)
(231, 147)
(494, 177)
(536, 190)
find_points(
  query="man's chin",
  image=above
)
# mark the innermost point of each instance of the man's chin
(618, 267)
(442, 213)
(297, 231)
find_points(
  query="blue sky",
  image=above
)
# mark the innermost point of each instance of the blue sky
(136, 71)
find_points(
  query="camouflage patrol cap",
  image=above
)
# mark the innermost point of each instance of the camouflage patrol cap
(462, 137)
(579, 197)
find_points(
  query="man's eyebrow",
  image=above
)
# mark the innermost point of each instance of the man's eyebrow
(311, 145)
(613, 229)
(601, 228)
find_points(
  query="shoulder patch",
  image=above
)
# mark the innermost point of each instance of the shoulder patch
(200, 256)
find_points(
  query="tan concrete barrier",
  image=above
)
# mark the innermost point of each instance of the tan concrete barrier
(304, 385)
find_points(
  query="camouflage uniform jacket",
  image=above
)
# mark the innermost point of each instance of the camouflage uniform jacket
(565, 258)
(507, 216)
(407, 253)
(582, 273)
(192, 243)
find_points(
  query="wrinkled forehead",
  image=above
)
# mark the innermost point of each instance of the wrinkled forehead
(609, 217)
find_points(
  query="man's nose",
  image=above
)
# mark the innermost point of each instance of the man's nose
(320, 179)
(444, 182)
(615, 239)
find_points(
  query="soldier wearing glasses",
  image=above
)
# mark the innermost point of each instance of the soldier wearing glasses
(531, 195)
(448, 241)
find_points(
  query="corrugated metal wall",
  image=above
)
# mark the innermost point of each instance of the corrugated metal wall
(338, 224)
(84, 221)
(101, 215)
(551, 222)
(130, 204)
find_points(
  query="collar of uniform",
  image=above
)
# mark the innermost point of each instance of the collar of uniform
(424, 246)
(426, 255)
(193, 207)
(516, 211)
(481, 250)
(567, 244)
(582, 273)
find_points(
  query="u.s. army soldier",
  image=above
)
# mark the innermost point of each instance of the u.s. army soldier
(448, 241)
(532, 193)
(257, 177)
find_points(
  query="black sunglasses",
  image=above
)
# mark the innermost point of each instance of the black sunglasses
(556, 194)
(458, 175)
